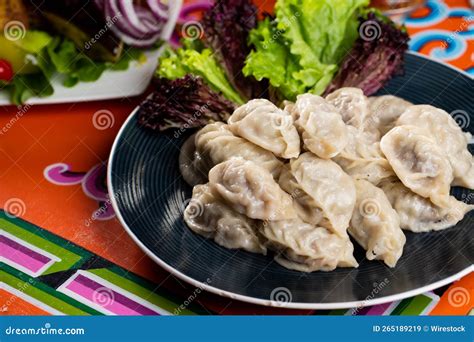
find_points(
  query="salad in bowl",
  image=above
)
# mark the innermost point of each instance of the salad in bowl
(75, 50)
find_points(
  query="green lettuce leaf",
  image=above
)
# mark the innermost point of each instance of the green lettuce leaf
(272, 59)
(54, 56)
(197, 61)
(34, 41)
(300, 50)
(26, 86)
(319, 31)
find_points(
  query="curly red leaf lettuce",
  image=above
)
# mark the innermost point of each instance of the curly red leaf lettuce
(377, 56)
(226, 30)
(185, 102)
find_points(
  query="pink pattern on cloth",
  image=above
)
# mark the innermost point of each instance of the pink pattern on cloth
(93, 184)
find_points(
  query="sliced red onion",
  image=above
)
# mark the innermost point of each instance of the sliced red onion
(159, 10)
(149, 20)
(130, 14)
(124, 30)
(144, 43)
(112, 11)
(136, 25)
(198, 6)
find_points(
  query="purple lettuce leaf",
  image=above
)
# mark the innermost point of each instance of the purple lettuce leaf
(185, 102)
(377, 55)
(226, 30)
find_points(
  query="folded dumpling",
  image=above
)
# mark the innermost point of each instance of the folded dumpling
(307, 248)
(384, 111)
(375, 224)
(448, 136)
(191, 165)
(251, 190)
(320, 125)
(352, 104)
(215, 144)
(419, 163)
(264, 124)
(362, 158)
(207, 215)
(419, 214)
(323, 193)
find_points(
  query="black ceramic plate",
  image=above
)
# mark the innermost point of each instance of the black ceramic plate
(149, 197)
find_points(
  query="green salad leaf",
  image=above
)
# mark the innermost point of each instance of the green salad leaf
(57, 56)
(300, 50)
(33, 41)
(199, 61)
(272, 60)
(26, 86)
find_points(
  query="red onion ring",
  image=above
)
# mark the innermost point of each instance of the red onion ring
(159, 10)
(202, 5)
(136, 25)
(130, 14)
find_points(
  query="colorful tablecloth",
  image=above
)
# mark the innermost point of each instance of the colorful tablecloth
(63, 251)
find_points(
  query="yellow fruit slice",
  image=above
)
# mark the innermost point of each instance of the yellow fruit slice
(16, 57)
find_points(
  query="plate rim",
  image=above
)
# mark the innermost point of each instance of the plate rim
(259, 301)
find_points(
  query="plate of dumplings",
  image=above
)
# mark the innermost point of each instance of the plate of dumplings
(319, 203)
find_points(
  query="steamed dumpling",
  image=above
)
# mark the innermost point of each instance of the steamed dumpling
(418, 214)
(419, 163)
(448, 136)
(251, 190)
(215, 144)
(320, 125)
(191, 165)
(307, 248)
(207, 215)
(352, 104)
(384, 112)
(264, 124)
(323, 193)
(375, 224)
(362, 158)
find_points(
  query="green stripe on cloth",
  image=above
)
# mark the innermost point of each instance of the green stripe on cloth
(133, 287)
(197, 309)
(412, 306)
(45, 294)
(69, 257)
